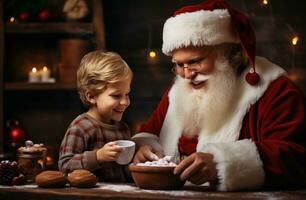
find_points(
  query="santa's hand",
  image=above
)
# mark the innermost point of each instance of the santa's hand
(198, 168)
(146, 153)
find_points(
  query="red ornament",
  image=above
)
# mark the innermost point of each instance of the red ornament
(16, 134)
(24, 16)
(44, 15)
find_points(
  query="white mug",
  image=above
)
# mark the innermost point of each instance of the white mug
(127, 153)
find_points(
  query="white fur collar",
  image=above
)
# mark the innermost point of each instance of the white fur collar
(228, 131)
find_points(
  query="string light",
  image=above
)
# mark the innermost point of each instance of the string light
(265, 2)
(12, 20)
(295, 40)
(152, 54)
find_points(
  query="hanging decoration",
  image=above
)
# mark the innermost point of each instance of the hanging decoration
(17, 135)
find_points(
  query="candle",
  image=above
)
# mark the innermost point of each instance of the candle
(34, 76)
(45, 74)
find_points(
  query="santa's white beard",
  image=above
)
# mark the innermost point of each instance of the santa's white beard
(206, 107)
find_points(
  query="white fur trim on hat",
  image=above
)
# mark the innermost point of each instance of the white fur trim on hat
(198, 28)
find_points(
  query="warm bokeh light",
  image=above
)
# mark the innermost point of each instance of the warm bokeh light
(45, 68)
(12, 20)
(34, 70)
(293, 76)
(50, 160)
(152, 54)
(265, 2)
(295, 40)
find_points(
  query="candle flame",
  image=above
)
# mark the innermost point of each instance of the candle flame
(45, 68)
(295, 40)
(34, 70)
(152, 54)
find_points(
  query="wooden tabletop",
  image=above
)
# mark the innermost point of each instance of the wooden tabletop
(130, 191)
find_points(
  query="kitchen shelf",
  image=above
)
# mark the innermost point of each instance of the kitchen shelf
(38, 86)
(47, 28)
(27, 44)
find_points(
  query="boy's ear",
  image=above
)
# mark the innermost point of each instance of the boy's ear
(90, 97)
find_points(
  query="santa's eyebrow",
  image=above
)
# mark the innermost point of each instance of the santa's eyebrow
(188, 61)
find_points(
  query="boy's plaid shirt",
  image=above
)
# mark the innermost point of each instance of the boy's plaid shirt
(83, 138)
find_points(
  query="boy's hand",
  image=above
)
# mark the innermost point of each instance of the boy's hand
(109, 152)
(146, 153)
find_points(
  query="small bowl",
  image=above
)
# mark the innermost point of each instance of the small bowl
(155, 177)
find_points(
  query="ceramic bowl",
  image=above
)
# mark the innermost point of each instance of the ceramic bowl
(155, 177)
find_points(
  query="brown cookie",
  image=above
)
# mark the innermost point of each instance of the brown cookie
(82, 178)
(51, 179)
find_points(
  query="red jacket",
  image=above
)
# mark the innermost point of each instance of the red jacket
(275, 123)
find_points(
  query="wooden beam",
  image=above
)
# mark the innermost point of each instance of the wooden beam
(52, 27)
(98, 22)
(1, 76)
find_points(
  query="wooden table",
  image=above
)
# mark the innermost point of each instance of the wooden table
(130, 191)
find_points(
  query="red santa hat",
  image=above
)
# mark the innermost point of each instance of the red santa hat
(211, 23)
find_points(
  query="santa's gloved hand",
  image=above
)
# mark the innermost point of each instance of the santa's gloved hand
(146, 153)
(198, 168)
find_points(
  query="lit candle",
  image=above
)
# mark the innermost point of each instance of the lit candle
(34, 76)
(45, 74)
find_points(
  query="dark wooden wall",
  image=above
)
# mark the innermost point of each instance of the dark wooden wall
(1, 73)
(135, 27)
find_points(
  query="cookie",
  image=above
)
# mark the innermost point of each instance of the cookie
(51, 179)
(82, 178)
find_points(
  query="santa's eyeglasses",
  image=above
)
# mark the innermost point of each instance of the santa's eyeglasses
(193, 64)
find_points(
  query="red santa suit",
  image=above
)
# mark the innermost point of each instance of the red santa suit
(262, 142)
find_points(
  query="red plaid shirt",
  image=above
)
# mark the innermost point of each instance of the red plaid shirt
(83, 138)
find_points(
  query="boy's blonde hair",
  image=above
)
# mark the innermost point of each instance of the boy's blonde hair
(97, 69)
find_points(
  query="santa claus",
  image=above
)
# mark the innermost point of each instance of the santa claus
(236, 127)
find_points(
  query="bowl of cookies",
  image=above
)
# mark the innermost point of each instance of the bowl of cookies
(156, 175)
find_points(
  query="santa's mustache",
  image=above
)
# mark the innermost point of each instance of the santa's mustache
(201, 78)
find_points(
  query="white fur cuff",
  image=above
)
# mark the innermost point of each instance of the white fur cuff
(147, 139)
(238, 163)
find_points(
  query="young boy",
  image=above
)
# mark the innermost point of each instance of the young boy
(103, 80)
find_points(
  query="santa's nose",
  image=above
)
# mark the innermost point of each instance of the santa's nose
(189, 74)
